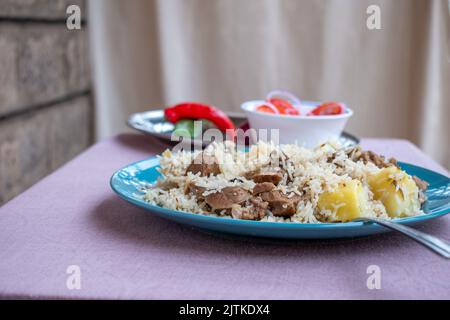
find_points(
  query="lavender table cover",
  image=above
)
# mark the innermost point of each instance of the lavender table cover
(73, 218)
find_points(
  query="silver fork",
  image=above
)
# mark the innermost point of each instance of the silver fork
(433, 243)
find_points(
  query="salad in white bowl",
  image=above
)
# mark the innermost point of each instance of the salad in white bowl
(304, 122)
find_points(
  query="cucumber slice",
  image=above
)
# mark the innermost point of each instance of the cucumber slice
(190, 128)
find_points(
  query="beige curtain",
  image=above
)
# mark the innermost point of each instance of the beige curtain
(147, 54)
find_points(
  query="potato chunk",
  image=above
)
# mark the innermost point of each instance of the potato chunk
(396, 190)
(347, 202)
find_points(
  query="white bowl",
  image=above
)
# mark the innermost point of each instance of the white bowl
(308, 131)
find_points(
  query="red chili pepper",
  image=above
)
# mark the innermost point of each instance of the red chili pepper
(194, 110)
(328, 108)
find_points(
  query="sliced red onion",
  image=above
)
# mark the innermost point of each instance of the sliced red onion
(286, 95)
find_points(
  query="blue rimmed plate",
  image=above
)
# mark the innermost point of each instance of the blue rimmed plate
(129, 181)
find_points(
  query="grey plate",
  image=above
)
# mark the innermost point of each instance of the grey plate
(154, 124)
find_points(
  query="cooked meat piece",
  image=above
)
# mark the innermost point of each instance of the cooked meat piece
(263, 187)
(280, 204)
(219, 201)
(273, 177)
(236, 194)
(422, 185)
(195, 190)
(256, 211)
(379, 161)
(228, 196)
(271, 196)
(277, 195)
(259, 204)
(357, 154)
(393, 161)
(250, 174)
(283, 208)
(205, 164)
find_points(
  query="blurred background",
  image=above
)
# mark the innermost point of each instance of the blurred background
(61, 90)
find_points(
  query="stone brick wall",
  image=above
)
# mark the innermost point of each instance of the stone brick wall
(46, 110)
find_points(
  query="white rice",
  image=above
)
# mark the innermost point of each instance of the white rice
(309, 172)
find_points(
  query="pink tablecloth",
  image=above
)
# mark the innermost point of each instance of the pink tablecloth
(73, 218)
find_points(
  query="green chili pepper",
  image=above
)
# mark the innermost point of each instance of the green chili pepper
(193, 110)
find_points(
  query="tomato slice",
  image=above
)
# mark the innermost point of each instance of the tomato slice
(267, 108)
(328, 108)
(284, 106)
